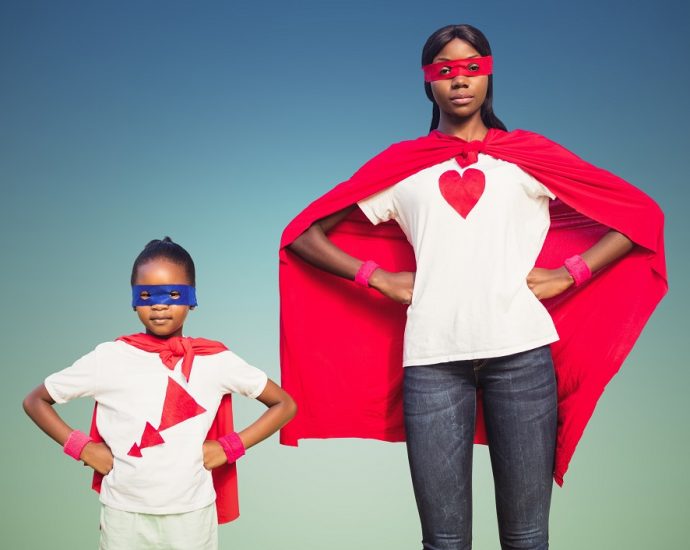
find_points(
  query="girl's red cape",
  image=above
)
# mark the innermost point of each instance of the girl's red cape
(341, 344)
(171, 351)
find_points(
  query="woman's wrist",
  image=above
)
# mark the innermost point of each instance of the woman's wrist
(364, 273)
(564, 274)
(376, 278)
(578, 269)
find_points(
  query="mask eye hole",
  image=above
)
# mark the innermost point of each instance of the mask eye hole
(474, 67)
(444, 71)
(175, 294)
(144, 295)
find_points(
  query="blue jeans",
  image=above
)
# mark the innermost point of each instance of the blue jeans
(519, 396)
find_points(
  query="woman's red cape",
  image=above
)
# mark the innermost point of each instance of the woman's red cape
(171, 350)
(341, 344)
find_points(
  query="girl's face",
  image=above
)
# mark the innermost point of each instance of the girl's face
(160, 319)
(460, 97)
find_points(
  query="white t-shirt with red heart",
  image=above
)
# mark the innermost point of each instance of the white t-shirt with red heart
(476, 233)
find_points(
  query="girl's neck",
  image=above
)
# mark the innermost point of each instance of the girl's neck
(469, 129)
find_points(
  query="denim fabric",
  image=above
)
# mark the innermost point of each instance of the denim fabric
(519, 396)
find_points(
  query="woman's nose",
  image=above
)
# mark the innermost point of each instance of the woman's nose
(459, 81)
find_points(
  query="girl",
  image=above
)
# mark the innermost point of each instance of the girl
(155, 446)
(505, 228)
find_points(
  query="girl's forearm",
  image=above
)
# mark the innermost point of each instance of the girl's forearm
(281, 408)
(267, 424)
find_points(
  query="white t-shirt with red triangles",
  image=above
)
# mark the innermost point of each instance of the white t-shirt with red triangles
(154, 421)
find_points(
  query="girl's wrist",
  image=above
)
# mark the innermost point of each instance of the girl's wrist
(75, 444)
(232, 446)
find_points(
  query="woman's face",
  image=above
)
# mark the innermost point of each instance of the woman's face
(462, 96)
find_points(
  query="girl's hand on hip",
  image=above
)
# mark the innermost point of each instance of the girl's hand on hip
(214, 455)
(396, 286)
(547, 283)
(98, 456)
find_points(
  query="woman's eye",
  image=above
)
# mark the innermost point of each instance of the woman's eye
(144, 295)
(474, 67)
(444, 70)
(175, 294)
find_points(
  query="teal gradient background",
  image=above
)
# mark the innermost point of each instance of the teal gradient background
(217, 122)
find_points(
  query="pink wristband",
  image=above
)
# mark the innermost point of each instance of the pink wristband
(578, 269)
(365, 271)
(75, 444)
(232, 445)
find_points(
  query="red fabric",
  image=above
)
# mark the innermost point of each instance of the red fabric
(178, 406)
(170, 351)
(341, 345)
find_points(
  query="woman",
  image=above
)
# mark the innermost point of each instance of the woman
(475, 203)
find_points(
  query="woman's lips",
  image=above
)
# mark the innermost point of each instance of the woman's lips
(461, 99)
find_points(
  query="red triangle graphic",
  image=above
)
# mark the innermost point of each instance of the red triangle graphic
(178, 406)
(150, 437)
(134, 451)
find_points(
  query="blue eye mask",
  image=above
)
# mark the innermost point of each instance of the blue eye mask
(171, 295)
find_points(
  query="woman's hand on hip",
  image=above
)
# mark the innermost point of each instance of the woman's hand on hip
(547, 283)
(395, 285)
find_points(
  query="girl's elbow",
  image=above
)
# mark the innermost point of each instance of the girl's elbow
(290, 408)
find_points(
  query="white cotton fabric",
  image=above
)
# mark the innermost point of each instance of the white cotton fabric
(130, 385)
(470, 297)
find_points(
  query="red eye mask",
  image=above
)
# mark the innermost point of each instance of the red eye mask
(444, 70)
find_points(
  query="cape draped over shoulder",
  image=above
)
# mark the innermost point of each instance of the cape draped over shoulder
(341, 344)
(171, 350)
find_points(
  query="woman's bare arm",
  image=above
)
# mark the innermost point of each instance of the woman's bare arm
(547, 283)
(315, 247)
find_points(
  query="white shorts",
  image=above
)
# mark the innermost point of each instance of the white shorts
(196, 530)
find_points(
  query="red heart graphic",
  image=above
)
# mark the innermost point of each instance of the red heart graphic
(462, 192)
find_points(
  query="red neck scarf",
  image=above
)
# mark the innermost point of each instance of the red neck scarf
(170, 351)
(335, 334)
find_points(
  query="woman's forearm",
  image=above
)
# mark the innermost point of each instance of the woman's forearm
(609, 248)
(315, 247)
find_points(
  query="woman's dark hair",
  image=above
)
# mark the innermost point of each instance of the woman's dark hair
(165, 248)
(435, 43)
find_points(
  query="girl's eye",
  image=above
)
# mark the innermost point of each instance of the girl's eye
(144, 295)
(444, 70)
(474, 67)
(175, 294)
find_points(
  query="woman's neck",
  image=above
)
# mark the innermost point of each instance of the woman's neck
(469, 129)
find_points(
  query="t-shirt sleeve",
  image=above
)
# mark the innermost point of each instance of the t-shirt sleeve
(379, 207)
(537, 188)
(241, 377)
(78, 380)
